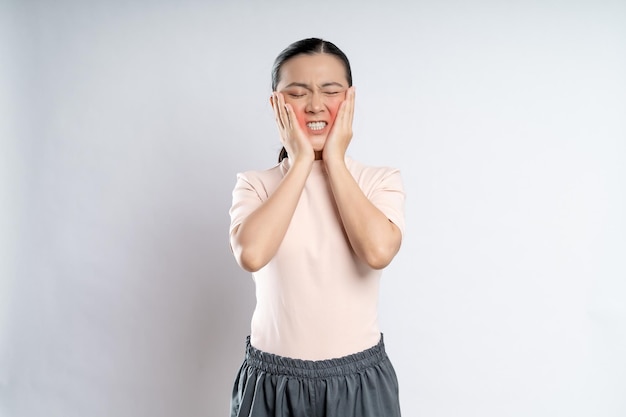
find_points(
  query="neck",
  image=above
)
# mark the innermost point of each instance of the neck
(318, 155)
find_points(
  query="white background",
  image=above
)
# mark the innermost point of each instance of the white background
(124, 123)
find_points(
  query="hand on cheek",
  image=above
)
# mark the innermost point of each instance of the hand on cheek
(340, 135)
(292, 136)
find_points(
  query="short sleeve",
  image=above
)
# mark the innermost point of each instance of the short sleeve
(387, 194)
(246, 199)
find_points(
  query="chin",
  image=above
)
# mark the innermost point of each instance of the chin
(318, 143)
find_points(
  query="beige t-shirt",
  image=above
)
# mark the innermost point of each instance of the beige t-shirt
(316, 299)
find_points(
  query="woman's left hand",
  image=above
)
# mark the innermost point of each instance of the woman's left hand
(340, 134)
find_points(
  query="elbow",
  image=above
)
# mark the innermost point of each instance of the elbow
(247, 256)
(250, 266)
(377, 263)
(380, 254)
(380, 257)
(249, 260)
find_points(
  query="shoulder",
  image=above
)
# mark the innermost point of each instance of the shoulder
(261, 181)
(275, 172)
(368, 174)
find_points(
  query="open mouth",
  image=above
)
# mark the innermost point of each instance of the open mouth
(316, 125)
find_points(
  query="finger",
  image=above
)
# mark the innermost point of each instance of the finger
(284, 117)
(346, 111)
(340, 120)
(343, 119)
(350, 105)
(276, 108)
(344, 115)
(285, 112)
(290, 116)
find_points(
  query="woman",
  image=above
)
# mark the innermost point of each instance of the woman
(316, 230)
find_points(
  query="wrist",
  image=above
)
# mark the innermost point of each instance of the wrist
(304, 161)
(334, 162)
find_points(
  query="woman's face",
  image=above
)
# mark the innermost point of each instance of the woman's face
(315, 86)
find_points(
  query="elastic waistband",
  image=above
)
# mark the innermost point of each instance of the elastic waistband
(280, 365)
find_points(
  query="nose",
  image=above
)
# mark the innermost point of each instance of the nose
(315, 103)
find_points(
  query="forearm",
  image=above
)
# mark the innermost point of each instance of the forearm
(255, 241)
(374, 238)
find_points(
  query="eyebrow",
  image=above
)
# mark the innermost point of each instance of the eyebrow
(308, 87)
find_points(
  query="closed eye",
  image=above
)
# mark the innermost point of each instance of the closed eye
(294, 95)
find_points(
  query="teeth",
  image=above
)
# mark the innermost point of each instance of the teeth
(316, 125)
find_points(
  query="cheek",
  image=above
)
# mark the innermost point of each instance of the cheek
(300, 115)
(298, 110)
(333, 109)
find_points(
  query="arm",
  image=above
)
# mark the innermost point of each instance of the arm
(257, 238)
(373, 237)
(255, 241)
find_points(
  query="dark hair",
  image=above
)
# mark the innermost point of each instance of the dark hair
(309, 46)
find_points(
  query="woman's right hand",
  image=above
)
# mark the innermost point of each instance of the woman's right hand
(257, 238)
(291, 135)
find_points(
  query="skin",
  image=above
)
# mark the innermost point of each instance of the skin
(313, 88)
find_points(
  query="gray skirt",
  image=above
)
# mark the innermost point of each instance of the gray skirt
(363, 384)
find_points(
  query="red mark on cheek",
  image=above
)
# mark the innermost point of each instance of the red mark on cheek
(330, 116)
(300, 119)
(333, 115)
